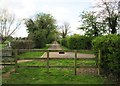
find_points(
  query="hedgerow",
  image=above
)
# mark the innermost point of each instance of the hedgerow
(22, 44)
(77, 42)
(110, 54)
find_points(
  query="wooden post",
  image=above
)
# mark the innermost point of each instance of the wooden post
(99, 58)
(48, 61)
(16, 53)
(75, 63)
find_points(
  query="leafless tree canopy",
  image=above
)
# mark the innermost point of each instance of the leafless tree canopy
(8, 25)
(65, 29)
(108, 11)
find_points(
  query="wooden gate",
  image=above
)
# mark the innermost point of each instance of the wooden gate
(75, 58)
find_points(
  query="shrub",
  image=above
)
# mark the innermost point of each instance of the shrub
(50, 38)
(110, 51)
(79, 42)
(59, 41)
(64, 41)
(39, 39)
(22, 44)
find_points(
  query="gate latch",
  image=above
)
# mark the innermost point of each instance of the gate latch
(61, 52)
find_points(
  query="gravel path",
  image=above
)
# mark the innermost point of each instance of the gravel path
(56, 46)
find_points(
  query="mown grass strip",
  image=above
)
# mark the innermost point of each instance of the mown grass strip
(80, 51)
(56, 76)
(24, 55)
(32, 54)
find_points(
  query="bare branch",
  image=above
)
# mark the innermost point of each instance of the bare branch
(7, 23)
(65, 29)
(12, 19)
(17, 26)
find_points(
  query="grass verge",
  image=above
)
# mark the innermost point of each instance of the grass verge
(24, 55)
(59, 63)
(32, 54)
(7, 69)
(56, 75)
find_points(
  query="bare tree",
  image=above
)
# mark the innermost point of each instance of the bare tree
(65, 29)
(109, 12)
(8, 24)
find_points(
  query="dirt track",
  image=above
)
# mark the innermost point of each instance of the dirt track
(56, 46)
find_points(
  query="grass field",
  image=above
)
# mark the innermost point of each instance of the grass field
(7, 69)
(24, 55)
(81, 51)
(56, 75)
(59, 63)
(32, 54)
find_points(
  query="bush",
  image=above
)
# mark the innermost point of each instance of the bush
(39, 39)
(50, 38)
(59, 41)
(110, 51)
(22, 44)
(77, 42)
(64, 41)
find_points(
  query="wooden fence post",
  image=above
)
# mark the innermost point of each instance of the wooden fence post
(48, 61)
(99, 58)
(16, 53)
(75, 62)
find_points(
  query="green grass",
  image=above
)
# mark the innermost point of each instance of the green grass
(56, 75)
(59, 63)
(71, 62)
(2, 46)
(32, 54)
(24, 55)
(63, 47)
(33, 63)
(7, 69)
(86, 51)
(81, 51)
(86, 62)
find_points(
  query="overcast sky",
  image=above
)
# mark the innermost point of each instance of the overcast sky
(62, 10)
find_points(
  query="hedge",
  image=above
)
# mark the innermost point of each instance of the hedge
(22, 44)
(39, 39)
(110, 51)
(77, 42)
(64, 42)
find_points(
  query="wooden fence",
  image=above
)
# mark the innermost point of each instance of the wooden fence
(15, 62)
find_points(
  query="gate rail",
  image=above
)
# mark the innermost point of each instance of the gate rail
(15, 62)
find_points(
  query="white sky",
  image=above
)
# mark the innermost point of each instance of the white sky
(62, 10)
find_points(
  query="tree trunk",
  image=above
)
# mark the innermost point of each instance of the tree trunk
(114, 31)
